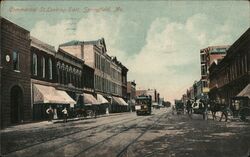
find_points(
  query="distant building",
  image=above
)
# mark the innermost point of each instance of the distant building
(150, 92)
(231, 75)
(141, 92)
(131, 94)
(207, 57)
(131, 90)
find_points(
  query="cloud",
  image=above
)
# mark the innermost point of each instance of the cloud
(169, 61)
(91, 27)
(169, 58)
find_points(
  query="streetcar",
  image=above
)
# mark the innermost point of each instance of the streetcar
(143, 105)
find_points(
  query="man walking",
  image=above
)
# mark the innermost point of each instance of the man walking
(189, 107)
(49, 111)
(65, 114)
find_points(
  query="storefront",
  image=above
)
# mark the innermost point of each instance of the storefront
(104, 104)
(47, 96)
(118, 104)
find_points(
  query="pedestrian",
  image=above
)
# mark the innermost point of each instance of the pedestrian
(49, 111)
(65, 114)
(173, 109)
(189, 107)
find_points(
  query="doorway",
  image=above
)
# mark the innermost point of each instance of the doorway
(16, 98)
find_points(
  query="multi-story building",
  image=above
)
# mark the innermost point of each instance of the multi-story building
(131, 90)
(141, 92)
(108, 71)
(231, 75)
(207, 57)
(15, 83)
(54, 75)
(124, 82)
(131, 94)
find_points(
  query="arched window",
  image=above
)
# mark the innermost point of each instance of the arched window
(50, 68)
(34, 64)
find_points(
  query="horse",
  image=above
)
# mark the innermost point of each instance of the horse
(214, 108)
(218, 107)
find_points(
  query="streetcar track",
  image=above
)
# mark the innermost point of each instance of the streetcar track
(62, 136)
(78, 139)
(124, 150)
(106, 139)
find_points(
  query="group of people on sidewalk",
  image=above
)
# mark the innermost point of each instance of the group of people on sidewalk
(50, 113)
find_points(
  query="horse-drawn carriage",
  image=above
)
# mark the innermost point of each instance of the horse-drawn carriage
(200, 107)
(86, 111)
(241, 108)
(179, 107)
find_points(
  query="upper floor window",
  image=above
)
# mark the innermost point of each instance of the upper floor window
(15, 60)
(204, 70)
(50, 68)
(34, 64)
(43, 66)
(203, 58)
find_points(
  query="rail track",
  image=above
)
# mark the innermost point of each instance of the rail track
(123, 152)
(65, 135)
(124, 130)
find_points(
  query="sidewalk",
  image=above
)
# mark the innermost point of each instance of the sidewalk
(82, 118)
(45, 123)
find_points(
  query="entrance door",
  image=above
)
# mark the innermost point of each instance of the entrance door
(16, 104)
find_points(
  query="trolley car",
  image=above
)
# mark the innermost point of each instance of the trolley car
(143, 105)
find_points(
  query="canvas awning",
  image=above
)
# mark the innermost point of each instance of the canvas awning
(89, 99)
(101, 99)
(245, 92)
(48, 94)
(123, 102)
(67, 98)
(116, 100)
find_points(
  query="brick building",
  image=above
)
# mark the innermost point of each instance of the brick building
(131, 94)
(55, 79)
(207, 57)
(109, 74)
(231, 75)
(15, 83)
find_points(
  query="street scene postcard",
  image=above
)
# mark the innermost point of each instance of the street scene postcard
(113, 78)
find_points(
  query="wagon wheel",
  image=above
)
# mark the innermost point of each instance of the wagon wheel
(244, 114)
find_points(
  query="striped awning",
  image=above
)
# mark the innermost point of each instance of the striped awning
(123, 102)
(89, 99)
(245, 92)
(101, 99)
(47, 94)
(116, 100)
(119, 101)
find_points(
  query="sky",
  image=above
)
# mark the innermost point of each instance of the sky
(158, 41)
